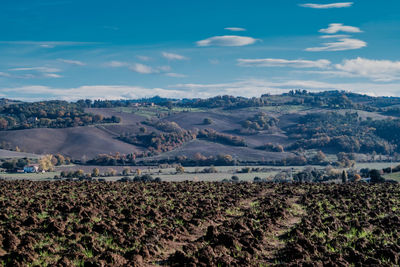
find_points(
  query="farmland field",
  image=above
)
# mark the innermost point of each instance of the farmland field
(198, 224)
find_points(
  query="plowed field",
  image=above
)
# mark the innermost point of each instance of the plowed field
(198, 224)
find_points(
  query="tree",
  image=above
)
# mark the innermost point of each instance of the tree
(320, 157)
(45, 163)
(180, 169)
(199, 157)
(111, 172)
(344, 177)
(235, 178)
(3, 124)
(357, 178)
(95, 172)
(207, 121)
(79, 173)
(115, 119)
(143, 129)
(21, 163)
(60, 159)
(376, 176)
(10, 165)
(126, 171)
(98, 118)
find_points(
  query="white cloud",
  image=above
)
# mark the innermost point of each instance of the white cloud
(339, 27)
(39, 69)
(327, 6)
(116, 64)
(377, 70)
(275, 62)
(340, 45)
(227, 40)
(142, 69)
(52, 75)
(172, 56)
(72, 62)
(337, 36)
(235, 29)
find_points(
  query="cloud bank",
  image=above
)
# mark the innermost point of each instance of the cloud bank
(377, 70)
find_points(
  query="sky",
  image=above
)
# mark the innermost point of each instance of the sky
(127, 49)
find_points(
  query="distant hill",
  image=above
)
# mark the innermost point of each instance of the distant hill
(283, 129)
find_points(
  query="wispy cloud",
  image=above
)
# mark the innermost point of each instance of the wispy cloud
(275, 62)
(34, 72)
(227, 40)
(172, 56)
(39, 69)
(138, 67)
(72, 62)
(340, 45)
(327, 6)
(339, 27)
(337, 36)
(46, 44)
(142, 69)
(52, 75)
(235, 29)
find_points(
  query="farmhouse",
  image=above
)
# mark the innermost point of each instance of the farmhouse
(31, 169)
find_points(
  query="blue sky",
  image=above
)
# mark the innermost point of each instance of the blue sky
(70, 49)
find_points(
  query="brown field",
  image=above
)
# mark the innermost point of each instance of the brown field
(74, 142)
(198, 224)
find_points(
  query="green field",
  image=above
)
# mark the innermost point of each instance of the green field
(393, 176)
(196, 173)
(29, 176)
(150, 112)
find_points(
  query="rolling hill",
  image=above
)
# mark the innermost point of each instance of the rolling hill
(270, 128)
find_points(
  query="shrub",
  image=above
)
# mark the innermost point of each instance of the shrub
(207, 121)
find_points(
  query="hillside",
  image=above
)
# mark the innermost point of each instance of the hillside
(285, 129)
